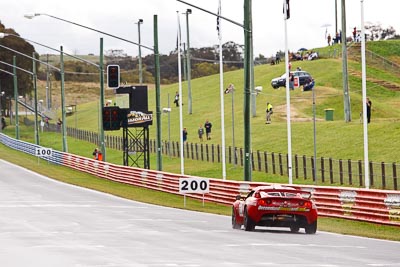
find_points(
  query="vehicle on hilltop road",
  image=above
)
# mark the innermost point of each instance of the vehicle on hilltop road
(303, 77)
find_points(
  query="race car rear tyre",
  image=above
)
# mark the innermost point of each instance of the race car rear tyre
(235, 225)
(249, 224)
(294, 228)
(311, 228)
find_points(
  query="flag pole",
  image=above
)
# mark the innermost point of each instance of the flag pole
(364, 98)
(180, 96)
(289, 130)
(221, 90)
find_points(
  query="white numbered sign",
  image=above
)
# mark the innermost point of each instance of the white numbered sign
(194, 185)
(44, 152)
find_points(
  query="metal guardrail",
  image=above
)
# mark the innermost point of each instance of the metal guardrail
(377, 206)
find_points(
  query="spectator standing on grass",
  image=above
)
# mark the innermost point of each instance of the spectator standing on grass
(309, 85)
(291, 81)
(268, 112)
(59, 123)
(184, 135)
(369, 105)
(3, 123)
(200, 132)
(208, 127)
(176, 99)
(277, 58)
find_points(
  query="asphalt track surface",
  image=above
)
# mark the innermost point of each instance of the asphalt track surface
(47, 223)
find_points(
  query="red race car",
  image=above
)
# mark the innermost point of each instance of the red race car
(275, 206)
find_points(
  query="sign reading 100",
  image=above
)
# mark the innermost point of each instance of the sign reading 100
(44, 152)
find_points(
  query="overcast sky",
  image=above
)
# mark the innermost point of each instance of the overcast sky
(306, 27)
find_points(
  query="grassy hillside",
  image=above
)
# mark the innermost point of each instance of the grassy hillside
(336, 139)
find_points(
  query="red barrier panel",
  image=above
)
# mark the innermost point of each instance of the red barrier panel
(378, 206)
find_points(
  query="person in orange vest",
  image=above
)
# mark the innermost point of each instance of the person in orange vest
(97, 154)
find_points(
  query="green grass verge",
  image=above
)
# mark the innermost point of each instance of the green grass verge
(74, 177)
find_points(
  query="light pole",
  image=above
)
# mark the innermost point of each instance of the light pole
(188, 63)
(101, 73)
(346, 95)
(1, 108)
(1, 100)
(168, 111)
(40, 114)
(336, 13)
(221, 94)
(253, 93)
(364, 98)
(248, 33)
(184, 62)
(48, 88)
(157, 75)
(140, 21)
(315, 134)
(36, 100)
(231, 90)
(158, 102)
(169, 128)
(181, 143)
(287, 70)
(16, 97)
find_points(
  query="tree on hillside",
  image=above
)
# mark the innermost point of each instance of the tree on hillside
(232, 54)
(379, 33)
(205, 60)
(204, 69)
(260, 59)
(115, 53)
(25, 85)
(79, 71)
(204, 53)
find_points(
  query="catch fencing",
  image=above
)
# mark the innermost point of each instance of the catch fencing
(377, 206)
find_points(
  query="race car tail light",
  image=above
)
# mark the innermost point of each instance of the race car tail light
(308, 204)
(264, 202)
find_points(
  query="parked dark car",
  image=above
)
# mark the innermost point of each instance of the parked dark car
(281, 81)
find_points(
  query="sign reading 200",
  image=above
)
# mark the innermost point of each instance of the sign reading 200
(193, 185)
